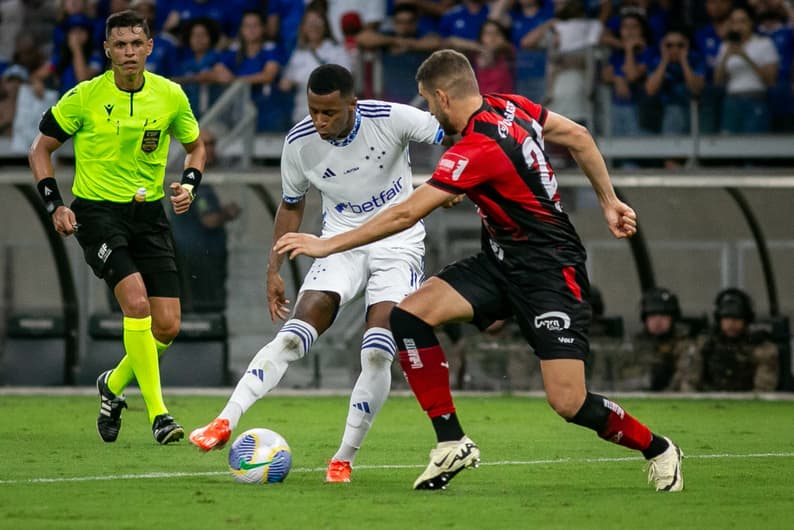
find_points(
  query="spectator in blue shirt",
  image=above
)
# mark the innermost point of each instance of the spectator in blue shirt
(656, 16)
(677, 75)
(76, 13)
(402, 51)
(597, 9)
(430, 12)
(283, 23)
(626, 72)
(708, 39)
(465, 20)
(774, 22)
(183, 11)
(195, 71)
(77, 58)
(102, 9)
(258, 62)
(530, 65)
(164, 59)
(163, 10)
(235, 9)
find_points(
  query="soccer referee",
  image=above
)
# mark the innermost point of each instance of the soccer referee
(120, 123)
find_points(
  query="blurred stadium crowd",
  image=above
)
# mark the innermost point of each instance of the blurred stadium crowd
(646, 59)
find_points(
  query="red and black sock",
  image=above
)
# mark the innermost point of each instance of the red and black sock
(427, 371)
(612, 423)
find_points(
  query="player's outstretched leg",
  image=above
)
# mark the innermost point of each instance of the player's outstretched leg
(214, 435)
(614, 424)
(427, 371)
(263, 373)
(369, 394)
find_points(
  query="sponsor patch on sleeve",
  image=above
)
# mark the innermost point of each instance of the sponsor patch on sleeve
(451, 166)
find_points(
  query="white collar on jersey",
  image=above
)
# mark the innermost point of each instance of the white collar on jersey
(341, 142)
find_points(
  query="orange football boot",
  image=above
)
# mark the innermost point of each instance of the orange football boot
(212, 436)
(338, 471)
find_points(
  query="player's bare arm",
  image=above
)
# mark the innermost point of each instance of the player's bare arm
(182, 194)
(288, 219)
(40, 159)
(454, 200)
(424, 200)
(621, 218)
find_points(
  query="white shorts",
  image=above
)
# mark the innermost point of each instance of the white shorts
(382, 274)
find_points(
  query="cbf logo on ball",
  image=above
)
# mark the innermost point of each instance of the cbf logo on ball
(553, 321)
(376, 201)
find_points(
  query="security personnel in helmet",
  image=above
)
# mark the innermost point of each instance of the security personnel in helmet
(662, 353)
(734, 358)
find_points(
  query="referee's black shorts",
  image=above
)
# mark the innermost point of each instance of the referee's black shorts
(141, 227)
(550, 306)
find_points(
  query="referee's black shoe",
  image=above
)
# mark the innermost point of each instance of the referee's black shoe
(166, 430)
(108, 423)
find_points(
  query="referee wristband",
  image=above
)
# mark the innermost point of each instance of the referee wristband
(48, 189)
(191, 177)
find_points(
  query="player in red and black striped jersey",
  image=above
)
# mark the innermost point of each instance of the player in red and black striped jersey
(501, 166)
(531, 266)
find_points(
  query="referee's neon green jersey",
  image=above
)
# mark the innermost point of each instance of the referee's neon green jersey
(121, 138)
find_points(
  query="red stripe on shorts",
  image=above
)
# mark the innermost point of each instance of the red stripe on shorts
(570, 280)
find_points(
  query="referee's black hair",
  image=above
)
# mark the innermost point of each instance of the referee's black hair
(328, 78)
(126, 19)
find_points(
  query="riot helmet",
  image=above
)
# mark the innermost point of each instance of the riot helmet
(733, 303)
(659, 301)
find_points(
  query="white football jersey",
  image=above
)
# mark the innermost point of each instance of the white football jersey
(359, 175)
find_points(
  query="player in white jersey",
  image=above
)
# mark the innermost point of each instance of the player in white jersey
(356, 154)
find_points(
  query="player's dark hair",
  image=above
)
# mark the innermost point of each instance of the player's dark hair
(328, 78)
(126, 19)
(448, 70)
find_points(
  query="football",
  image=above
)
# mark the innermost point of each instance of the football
(260, 456)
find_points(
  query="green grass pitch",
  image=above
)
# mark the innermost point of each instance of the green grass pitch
(537, 471)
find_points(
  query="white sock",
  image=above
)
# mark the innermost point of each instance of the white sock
(370, 392)
(268, 367)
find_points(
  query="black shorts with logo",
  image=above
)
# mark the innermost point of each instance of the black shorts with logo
(142, 227)
(550, 306)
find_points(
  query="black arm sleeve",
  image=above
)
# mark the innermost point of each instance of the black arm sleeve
(50, 127)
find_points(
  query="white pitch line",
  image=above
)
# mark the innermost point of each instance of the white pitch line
(155, 475)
